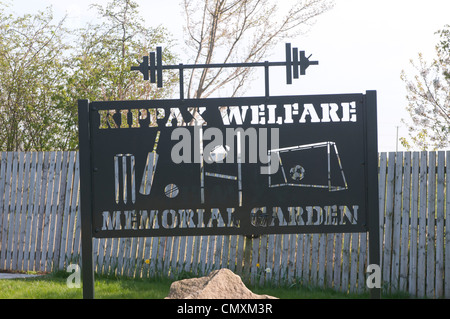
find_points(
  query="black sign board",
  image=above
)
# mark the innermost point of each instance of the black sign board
(225, 166)
(291, 164)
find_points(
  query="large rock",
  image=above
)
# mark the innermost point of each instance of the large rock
(219, 284)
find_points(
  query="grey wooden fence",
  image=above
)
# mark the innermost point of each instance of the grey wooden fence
(40, 231)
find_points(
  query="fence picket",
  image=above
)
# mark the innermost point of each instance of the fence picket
(270, 256)
(254, 259)
(382, 199)
(53, 209)
(189, 253)
(405, 221)
(277, 258)
(127, 261)
(182, 254)
(431, 215)
(60, 208)
(314, 258)
(3, 200)
(146, 257)
(299, 258)
(354, 262)
(23, 213)
(174, 259)
(322, 260)
(18, 206)
(330, 259)
(12, 209)
(421, 256)
(77, 242)
(395, 250)
(71, 233)
(134, 260)
(414, 214)
(284, 256)
(225, 251)
(47, 197)
(4, 217)
(362, 261)
(154, 257)
(345, 262)
(210, 254)
(120, 253)
(40, 210)
(389, 212)
(307, 259)
(66, 211)
(204, 247)
(195, 254)
(337, 262)
(246, 263)
(440, 181)
(30, 209)
(101, 255)
(447, 230)
(262, 259)
(36, 209)
(291, 262)
(240, 254)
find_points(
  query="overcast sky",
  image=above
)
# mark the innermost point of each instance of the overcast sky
(360, 45)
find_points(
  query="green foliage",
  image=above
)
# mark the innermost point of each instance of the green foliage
(46, 68)
(30, 57)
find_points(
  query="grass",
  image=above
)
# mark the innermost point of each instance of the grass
(53, 286)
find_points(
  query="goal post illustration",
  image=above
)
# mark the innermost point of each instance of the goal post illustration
(329, 176)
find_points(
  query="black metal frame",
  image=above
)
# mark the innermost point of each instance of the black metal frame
(372, 183)
(86, 198)
(153, 71)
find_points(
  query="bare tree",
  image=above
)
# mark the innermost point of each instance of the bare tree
(227, 31)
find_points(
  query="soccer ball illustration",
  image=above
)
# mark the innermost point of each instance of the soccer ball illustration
(297, 173)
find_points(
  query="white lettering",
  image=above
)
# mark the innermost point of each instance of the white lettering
(237, 113)
(349, 112)
(175, 114)
(310, 111)
(329, 112)
(232, 115)
(335, 215)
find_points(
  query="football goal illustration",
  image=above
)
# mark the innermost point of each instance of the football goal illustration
(316, 165)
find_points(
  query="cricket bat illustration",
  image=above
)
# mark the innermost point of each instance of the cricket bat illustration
(150, 168)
